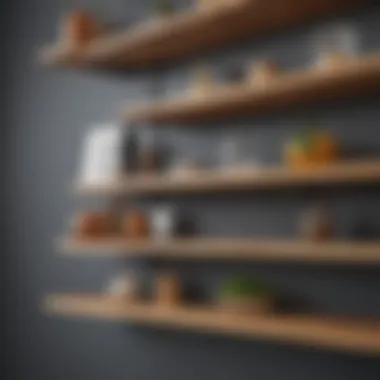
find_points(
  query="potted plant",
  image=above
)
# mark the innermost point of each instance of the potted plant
(311, 148)
(240, 294)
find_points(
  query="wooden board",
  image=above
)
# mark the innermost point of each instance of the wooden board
(271, 177)
(356, 77)
(190, 32)
(316, 331)
(246, 249)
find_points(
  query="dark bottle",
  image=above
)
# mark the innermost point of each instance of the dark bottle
(130, 150)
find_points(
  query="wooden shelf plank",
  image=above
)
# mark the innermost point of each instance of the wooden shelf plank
(323, 332)
(357, 77)
(271, 177)
(191, 32)
(246, 249)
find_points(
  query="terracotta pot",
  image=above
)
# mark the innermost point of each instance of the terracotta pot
(135, 225)
(92, 225)
(79, 28)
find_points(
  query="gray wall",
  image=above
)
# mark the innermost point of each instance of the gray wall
(49, 112)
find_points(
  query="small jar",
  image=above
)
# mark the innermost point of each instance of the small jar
(167, 289)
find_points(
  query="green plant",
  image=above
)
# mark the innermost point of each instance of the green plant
(244, 287)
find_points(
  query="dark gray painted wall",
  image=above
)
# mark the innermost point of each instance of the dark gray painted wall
(48, 115)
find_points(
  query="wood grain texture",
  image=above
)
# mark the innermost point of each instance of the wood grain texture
(266, 178)
(190, 32)
(354, 78)
(316, 331)
(235, 249)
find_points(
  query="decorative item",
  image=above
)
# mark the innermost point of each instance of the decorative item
(316, 224)
(334, 45)
(91, 224)
(163, 223)
(246, 295)
(202, 83)
(262, 72)
(78, 28)
(148, 155)
(101, 159)
(135, 225)
(124, 286)
(310, 149)
(130, 151)
(167, 289)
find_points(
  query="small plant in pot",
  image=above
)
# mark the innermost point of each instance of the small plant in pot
(246, 295)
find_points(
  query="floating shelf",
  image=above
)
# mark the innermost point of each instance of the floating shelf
(316, 331)
(247, 249)
(354, 78)
(190, 32)
(351, 172)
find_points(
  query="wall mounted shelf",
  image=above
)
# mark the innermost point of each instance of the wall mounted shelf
(351, 172)
(190, 32)
(357, 77)
(236, 249)
(317, 331)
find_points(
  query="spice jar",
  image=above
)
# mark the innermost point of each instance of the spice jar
(167, 289)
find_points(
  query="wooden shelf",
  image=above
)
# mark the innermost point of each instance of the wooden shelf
(191, 32)
(246, 249)
(355, 78)
(272, 177)
(323, 332)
